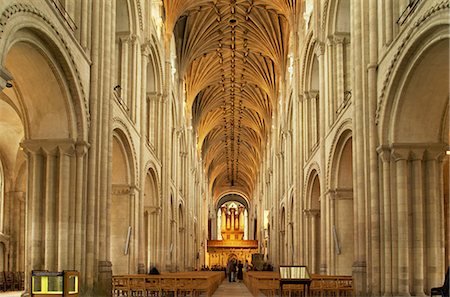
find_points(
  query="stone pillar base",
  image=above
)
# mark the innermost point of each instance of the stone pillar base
(104, 284)
(359, 279)
(141, 268)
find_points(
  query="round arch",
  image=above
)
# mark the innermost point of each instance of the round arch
(232, 197)
(413, 115)
(22, 28)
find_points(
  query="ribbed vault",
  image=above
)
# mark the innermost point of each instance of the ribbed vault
(232, 55)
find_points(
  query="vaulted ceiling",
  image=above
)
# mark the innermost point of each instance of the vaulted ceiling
(232, 55)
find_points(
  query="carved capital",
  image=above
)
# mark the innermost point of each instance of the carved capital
(312, 212)
(385, 153)
(319, 48)
(81, 148)
(417, 154)
(400, 154)
(5, 79)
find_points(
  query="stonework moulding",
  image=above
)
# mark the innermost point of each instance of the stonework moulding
(22, 8)
(443, 5)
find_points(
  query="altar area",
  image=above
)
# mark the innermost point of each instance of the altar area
(232, 242)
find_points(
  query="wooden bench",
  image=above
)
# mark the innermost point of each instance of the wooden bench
(176, 284)
(268, 283)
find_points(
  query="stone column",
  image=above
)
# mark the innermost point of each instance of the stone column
(124, 43)
(403, 227)
(316, 241)
(418, 234)
(306, 125)
(434, 218)
(359, 185)
(385, 156)
(65, 240)
(144, 126)
(340, 68)
(371, 131)
(81, 149)
(34, 243)
(389, 21)
(51, 210)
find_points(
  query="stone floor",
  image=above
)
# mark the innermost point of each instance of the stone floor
(226, 289)
(11, 294)
(235, 289)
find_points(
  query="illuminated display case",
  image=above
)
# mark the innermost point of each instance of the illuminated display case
(46, 283)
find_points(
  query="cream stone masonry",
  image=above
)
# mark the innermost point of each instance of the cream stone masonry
(125, 125)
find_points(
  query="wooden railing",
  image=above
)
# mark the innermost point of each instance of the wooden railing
(177, 284)
(268, 283)
(12, 281)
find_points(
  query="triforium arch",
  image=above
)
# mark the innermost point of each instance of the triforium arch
(125, 52)
(124, 196)
(44, 163)
(337, 30)
(153, 94)
(414, 137)
(311, 96)
(340, 197)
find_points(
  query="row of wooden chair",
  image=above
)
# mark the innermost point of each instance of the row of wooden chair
(12, 280)
(168, 284)
(331, 285)
(268, 283)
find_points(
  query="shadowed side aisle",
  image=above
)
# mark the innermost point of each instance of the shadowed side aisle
(232, 289)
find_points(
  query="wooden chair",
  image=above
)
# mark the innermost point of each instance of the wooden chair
(2, 281)
(20, 276)
(329, 286)
(168, 285)
(120, 286)
(152, 286)
(345, 286)
(269, 287)
(11, 284)
(185, 287)
(316, 288)
(137, 285)
(291, 290)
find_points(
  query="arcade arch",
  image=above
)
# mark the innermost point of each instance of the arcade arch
(414, 140)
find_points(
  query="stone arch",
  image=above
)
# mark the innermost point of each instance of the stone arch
(151, 212)
(341, 202)
(282, 241)
(311, 95)
(122, 201)
(125, 52)
(292, 225)
(182, 250)
(172, 230)
(23, 25)
(313, 222)
(154, 90)
(413, 115)
(40, 85)
(337, 18)
(337, 30)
